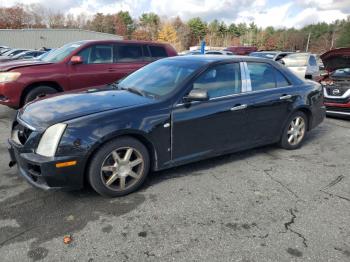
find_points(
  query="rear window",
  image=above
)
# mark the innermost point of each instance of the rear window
(158, 52)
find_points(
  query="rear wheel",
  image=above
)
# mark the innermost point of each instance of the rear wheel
(39, 91)
(119, 167)
(294, 132)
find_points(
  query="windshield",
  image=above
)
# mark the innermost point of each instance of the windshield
(159, 78)
(263, 55)
(296, 60)
(21, 54)
(61, 53)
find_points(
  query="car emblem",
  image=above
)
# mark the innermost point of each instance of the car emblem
(336, 91)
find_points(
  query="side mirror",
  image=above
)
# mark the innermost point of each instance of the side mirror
(197, 95)
(281, 62)
(75, 60)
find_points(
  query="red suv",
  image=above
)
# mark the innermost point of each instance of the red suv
(75, 66)
(241, 50)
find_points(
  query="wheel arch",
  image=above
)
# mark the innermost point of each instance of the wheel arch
(32, 86)
(141, 137)
(308, 114)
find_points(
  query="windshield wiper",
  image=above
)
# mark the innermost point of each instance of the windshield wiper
(114, 85)
(133, 90)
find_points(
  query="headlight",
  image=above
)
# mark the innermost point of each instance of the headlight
(9, 76)
(49, 141)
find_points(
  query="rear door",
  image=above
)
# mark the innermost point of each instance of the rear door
(271, 96)
(130, 57)
(96, 69)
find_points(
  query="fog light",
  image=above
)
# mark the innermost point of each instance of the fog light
(65, 164)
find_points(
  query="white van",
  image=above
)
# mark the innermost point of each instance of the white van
(303, 65)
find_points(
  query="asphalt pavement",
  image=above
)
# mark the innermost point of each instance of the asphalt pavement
(266, 204)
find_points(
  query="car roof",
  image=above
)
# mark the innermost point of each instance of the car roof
(121, 41)
(215, 58)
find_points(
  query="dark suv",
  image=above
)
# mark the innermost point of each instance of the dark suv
(76, 65)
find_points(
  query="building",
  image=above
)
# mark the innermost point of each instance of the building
(49, 38)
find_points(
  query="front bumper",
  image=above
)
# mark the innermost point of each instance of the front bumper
(42, 172)
(338, 109)
(9, 96)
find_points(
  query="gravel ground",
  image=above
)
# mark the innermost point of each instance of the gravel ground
(266, 204)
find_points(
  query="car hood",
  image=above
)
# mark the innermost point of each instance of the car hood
(336, 59)
(9, 65)
(56, 109)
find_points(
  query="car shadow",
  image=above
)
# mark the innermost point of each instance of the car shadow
(198, 168)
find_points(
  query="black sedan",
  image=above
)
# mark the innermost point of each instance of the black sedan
(171, 112)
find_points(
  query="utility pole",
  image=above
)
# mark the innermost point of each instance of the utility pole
(308, 42)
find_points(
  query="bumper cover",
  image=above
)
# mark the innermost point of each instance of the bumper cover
(341, 109)
(42, 172)
(318, 115)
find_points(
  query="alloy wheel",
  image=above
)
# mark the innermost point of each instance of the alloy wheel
(122, 168)
(296, 131)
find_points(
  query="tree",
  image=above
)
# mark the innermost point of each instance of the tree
(70, 21)
(56, 20)
(183, 33)
(140, 34)
(198, 29)
(168, 34)
(14, 17)
(97, 22)
(124, 24)
(150, 22)
(120, 26)
(108, 25)
(344, 37)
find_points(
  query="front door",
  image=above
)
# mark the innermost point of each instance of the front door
(206, 128)
(97, 68)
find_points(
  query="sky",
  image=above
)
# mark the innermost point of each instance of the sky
(277, 13)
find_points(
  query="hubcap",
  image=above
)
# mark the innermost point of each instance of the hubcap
(296, 131)
(122, 168)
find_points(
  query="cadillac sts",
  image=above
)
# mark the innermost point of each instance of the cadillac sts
(171, 112)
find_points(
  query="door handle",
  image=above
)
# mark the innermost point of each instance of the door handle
(111, 70)
(238, 107)
(285, 97)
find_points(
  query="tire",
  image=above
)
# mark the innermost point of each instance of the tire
(297, 132)
(119, 166)
(38, 92)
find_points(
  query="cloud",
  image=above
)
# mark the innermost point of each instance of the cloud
(287, 13)
(341, 5)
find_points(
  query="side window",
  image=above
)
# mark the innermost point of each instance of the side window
(220, 80)
(312, 61)
(281, 81)
(97, 54)
(262, 76)
(129, 53)
(158, 52)
(146, 54)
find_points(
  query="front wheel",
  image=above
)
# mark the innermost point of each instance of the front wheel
(119, 167)
(295, 131)
(39, 91)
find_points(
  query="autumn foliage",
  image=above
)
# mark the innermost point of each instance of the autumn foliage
(182, 34)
